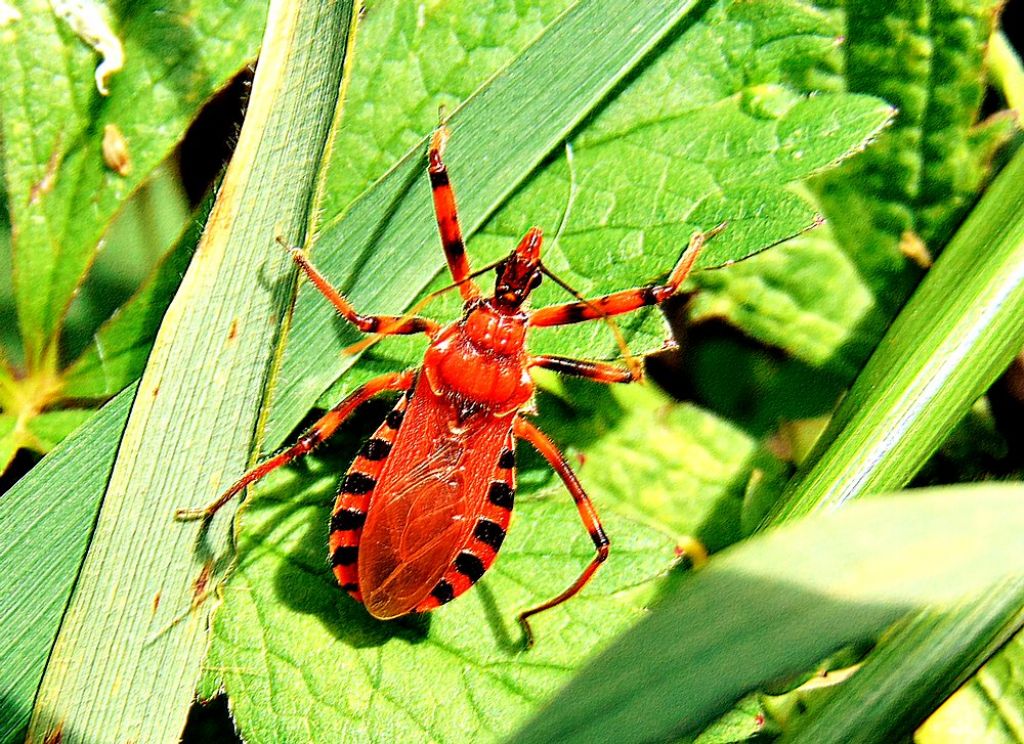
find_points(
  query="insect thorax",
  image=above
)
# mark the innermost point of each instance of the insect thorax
(481, 359)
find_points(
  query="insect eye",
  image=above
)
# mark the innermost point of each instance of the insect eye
(500, 268)
(536, 280)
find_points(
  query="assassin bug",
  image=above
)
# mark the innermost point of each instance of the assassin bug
(422, 511)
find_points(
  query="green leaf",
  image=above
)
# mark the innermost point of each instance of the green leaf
(62, 195)
(286, 631)
(266, 641)
(989, 708)
(10, 342)
(48, 515)
(804, 296)
(665, 123)
(762, 610)
(49, 428)
(126, 660)
(118, 351)
(741, 724)
(1007, 70)
(285, 627)
(959, 331)
(646, 184)
(9, 440)
(913, 185)
(145, 230)
(425, 56)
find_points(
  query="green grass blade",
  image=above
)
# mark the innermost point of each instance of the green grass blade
(761, 610)
(1007, 70)
(931, 655)
(126, 660)
(957, 334)
(49, 532)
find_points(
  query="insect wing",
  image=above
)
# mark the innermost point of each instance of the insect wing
(426, 501)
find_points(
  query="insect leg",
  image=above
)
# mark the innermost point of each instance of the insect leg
(626, 300)
(588, 514)
(599, 371)
(448, 216)
(385, 325)
(317, 433)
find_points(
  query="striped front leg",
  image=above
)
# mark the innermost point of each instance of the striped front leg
(448, 217)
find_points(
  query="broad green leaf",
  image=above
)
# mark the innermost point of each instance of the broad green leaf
(126, 660)
(645, 184)
(664, 123)
(48, 429)
(118, 351)
(62, 195)
(9, 440)
(1001, 682)
(804, 296)
(48, 516)
(146, 228)
(762, 610)
(912, 187)
(741, 724)
(286, 633)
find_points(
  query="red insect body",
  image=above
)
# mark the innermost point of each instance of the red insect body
(430, 497)
(425, 506)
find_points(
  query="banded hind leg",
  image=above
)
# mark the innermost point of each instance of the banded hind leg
(321, 430)
(627, 300)
(588, 514)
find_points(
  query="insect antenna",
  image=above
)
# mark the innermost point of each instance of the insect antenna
(634, 364)
(818, 221)
(372, 339)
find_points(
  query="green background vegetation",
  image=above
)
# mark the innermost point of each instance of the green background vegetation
(155, 341)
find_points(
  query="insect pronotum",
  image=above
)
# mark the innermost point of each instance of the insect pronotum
(423, 510)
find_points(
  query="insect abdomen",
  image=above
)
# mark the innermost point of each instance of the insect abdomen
(353, 501)
(486, 538)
